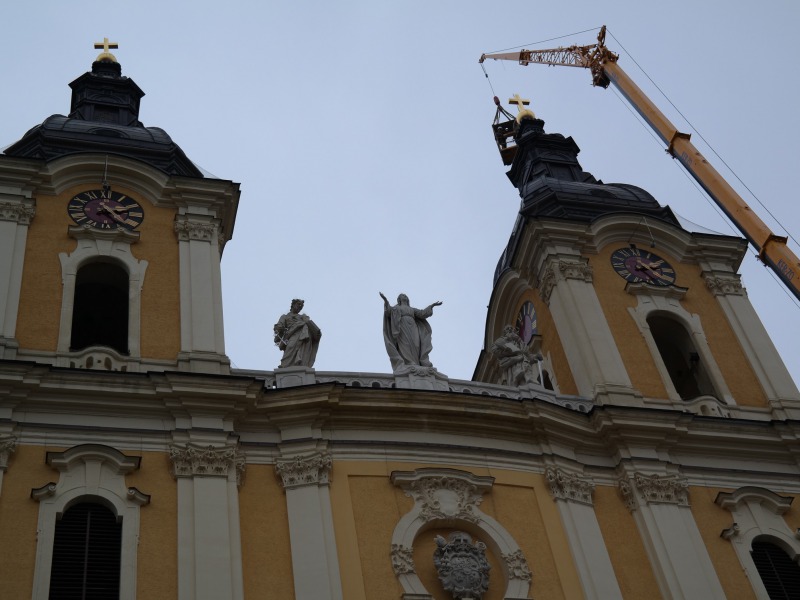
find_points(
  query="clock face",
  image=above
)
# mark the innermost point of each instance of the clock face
(641, 266)
(105, 210)
(526, 322)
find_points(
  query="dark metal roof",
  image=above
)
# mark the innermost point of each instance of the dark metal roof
(104, 118)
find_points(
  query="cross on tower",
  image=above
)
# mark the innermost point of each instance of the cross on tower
(519, 101)
(106, 46)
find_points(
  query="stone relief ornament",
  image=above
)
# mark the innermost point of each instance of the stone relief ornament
(654, 489)
(446, 498)
(298, 336)
(462, 565)
(309, 469)
(407, 335)
(724, 285)
(402, 559)
(192, 230)
(567, 486)
(7, 447)
(15, 211)
(517, 566)
(191, 460)
(514, 358)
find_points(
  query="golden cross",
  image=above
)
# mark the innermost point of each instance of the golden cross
(520, 102)
(106, 46)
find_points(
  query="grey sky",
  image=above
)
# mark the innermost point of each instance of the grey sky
(360, 134)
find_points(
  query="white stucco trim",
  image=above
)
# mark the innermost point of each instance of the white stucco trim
(88, 472)
(450, 498)
(757, 513)
(16, 212)
(657, 300)
(111, 246)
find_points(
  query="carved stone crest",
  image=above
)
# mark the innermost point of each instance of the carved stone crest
(462, 565)
(446, 497)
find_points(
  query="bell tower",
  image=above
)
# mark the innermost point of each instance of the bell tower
(110, 239)
(629, 306)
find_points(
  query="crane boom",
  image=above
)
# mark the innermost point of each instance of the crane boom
(772, 249)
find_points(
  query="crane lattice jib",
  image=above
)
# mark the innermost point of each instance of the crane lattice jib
(772, 249)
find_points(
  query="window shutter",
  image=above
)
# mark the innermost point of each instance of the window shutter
(779, 573)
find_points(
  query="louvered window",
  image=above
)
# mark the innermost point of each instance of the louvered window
(86, 554)
(779, 573)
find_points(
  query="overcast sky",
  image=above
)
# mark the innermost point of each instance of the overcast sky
(360, 134)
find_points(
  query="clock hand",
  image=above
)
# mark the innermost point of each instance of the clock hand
(111, 212)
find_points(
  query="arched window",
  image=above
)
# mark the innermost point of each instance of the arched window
(100, 308)
(680, 357)
(779, 573)
(86, 554)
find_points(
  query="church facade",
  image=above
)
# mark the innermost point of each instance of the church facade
(630, 430)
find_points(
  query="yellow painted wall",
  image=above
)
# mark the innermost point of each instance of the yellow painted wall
(40, 298)
(266, 550)
(157, 557)
(625, 547)
(727, 351)
(367, 508)
(19, 515)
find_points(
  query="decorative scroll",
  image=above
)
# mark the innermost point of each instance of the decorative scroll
(309, 469)
(402, 559)
(195, 460)
(517, 566)
(446, 497)
(570, 487)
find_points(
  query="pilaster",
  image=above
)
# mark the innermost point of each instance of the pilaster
(305, 476)
(17, 210)
(660, 507)
(202, 335)
(209, 541)
(596, 364)
(572, 494)
(761, 353)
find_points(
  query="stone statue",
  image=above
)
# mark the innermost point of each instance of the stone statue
(298, 336)
(514, 358)
(407, 334)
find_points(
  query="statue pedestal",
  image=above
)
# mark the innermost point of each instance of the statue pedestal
(421, 378)
(294, 376)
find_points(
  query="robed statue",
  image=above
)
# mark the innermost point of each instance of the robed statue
(298, 336)
(514, 358)
(407, 334)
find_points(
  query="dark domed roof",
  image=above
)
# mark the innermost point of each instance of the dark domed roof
(104, 118)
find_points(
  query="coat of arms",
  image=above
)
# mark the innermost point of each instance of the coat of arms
(462, 566)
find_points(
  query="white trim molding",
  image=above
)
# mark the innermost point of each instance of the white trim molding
(757, 515)
(89, 472)
(451, 498)
(17, 210)
(113, 246)
(209, 538)
(305, 476)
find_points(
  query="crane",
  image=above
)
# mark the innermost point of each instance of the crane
(603, 64)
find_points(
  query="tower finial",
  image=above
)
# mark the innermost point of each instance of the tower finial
(521, 104)
(105, 55)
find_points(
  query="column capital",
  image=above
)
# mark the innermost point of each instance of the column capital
(305, 469)
(728, 284)
(569, 487)
(8, 444)
(190, 460)
(19, 212)
(640, 489)
(560, 269)
(190, 230)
